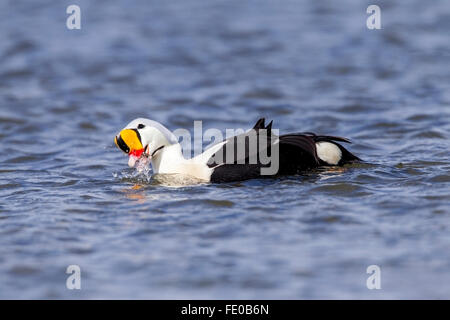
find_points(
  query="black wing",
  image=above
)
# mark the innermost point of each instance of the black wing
(240, 157)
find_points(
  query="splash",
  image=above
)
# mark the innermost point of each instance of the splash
(141, 173)
(142, 166)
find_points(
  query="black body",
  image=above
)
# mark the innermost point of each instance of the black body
(297, 153)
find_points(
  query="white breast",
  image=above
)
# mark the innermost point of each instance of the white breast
(171, 161)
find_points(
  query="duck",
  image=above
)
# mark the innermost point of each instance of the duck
(257, 153)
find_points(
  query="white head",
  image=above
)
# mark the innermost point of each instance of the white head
(144, 138)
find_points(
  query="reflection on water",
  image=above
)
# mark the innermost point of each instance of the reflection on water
(135, 193)
(68, 196)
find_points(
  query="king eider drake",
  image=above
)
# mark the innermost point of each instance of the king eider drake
(234, 159)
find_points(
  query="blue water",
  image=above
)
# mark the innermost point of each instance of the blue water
(68, 197)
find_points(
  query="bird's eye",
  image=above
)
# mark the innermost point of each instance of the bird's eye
(141, 126)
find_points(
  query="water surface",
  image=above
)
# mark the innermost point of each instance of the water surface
(68, 197)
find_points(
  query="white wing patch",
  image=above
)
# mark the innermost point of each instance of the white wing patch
(329, 152)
